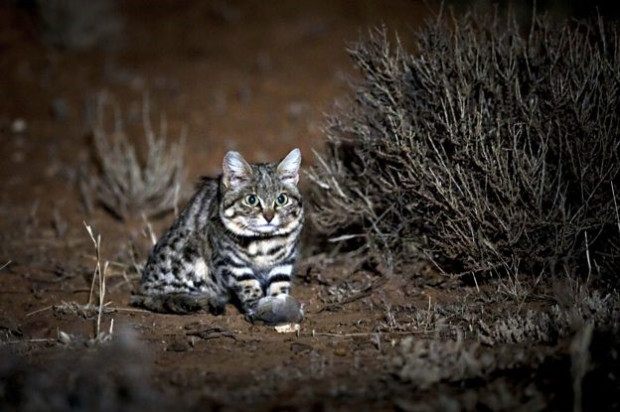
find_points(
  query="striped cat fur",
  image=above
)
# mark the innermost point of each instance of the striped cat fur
(236, 241)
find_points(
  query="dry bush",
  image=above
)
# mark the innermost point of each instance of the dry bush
(128, 185)
(549, 325)
(79, 25)
(425, 362)
(470, 376)
(531, 353)
(489, 150)
(530, 357)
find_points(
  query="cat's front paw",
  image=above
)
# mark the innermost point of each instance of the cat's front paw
(250, 290)
(278, 288)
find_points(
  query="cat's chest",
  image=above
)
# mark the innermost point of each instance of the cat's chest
(264, 254)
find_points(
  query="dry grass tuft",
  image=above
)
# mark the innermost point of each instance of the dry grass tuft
(127, 185)
(100, 275)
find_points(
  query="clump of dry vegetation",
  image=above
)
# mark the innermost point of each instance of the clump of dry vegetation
(110, 377)
(513, 357)
(472, 376)
(76, 25)
(490, 149)
(128, 184)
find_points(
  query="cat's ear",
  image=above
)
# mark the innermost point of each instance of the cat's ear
(288, 169)
(235, 169)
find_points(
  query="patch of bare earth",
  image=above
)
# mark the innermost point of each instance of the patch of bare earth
(251, 76)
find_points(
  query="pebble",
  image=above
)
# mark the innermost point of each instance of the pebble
(60, 108)
(340, 351)
(19, 126)
(178, 346)
(298, 348)
(288, 328)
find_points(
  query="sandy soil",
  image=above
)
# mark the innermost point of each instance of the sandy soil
(254, 76)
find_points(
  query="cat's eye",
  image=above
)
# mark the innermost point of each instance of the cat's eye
(281, 199)
(251, 200)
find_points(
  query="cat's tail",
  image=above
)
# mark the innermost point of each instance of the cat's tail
(179, 303)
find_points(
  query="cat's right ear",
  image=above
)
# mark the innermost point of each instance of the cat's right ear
(235, 169)
(288, 169)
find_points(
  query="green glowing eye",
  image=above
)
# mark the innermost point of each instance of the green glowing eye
(251, 200)
(282, 199)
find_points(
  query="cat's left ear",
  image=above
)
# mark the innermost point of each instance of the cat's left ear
(235, 170)
(288, 169)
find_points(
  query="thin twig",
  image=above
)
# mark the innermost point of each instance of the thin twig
(613, 192)
(97, 271)
(365, 334)
(39, 310)
(149, 229)
(364, 293)
(101, 297)
(36, 340)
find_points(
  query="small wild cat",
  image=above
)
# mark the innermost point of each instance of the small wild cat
(235, 241)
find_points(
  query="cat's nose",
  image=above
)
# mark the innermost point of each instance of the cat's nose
(268, 214)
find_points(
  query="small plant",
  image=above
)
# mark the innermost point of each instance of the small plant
(488, 150)
(127, 185)
(100, 275)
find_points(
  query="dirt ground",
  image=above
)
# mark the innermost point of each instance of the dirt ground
(251, 76)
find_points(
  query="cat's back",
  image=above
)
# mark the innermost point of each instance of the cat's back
(190, 225)
(196, 212)
(174, 256)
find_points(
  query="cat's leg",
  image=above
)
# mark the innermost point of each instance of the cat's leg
(278, 306)
(245, 287)
(180, 282)
(279, 280)
(180, 303)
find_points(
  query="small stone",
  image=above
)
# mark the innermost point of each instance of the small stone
(340, 351)
(60, 108)
(19, 126)
(64, 338)
(298, 348)
(287, 328)
(178, 346)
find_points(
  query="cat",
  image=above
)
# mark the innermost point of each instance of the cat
(235, 241)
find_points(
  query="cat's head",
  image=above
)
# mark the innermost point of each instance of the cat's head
(261, 199)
